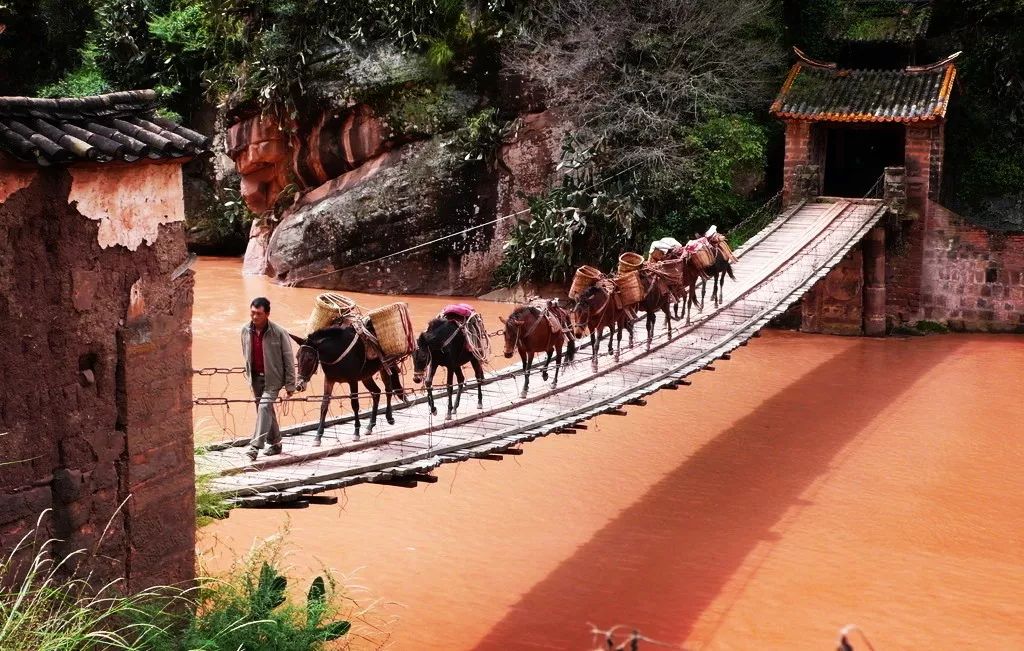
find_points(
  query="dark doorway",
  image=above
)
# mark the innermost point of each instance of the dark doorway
(856, 155)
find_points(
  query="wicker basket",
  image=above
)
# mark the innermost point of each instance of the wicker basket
(584, 278)
(328, 308)
(629, 288)
(672, 269)
(657, 255)
(723, 246)
(630, 262)
(703, 258)
(393, 328)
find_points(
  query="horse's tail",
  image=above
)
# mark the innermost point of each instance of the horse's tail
(728, 270)
(570, 352)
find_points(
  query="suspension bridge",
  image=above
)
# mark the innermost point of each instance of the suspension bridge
(776, 267)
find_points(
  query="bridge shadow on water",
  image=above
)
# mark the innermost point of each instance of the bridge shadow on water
(662, 561)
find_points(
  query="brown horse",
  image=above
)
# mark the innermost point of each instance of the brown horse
(529, 331)
(596, 310)
(657, 296)
(341, 352)
(687, 286)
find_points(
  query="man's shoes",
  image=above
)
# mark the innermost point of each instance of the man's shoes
(251, 453)
(272, 450)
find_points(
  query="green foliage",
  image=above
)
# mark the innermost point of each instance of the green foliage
(41, 42)
(582, 220)
(819, 22)
(984, 163)
(919, 329)
(726, 147)
(87, 79)
(250, 612)
(220, 217)
(42, 609)
(209, 505)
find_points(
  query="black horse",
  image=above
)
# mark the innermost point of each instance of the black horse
(717, 272)
(443, 344)
(341, 352)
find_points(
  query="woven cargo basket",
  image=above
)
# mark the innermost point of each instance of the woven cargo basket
(327, 308)
(672, 269)
(630, 262)
(657, 255)
(723, 246)
(584, 278)
(393, 328)
(703, 257)
(629, 287)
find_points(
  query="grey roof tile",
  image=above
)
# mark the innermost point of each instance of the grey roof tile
(113, 127)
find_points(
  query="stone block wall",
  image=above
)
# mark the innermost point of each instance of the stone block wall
(96, 408)
(972, 278)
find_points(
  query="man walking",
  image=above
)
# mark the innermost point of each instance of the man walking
(269, 366)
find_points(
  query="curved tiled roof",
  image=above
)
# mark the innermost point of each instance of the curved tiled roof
(113, 127)
(822, 92)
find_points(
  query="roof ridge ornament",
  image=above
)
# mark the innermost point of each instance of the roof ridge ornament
(828, 65)
(935, 66)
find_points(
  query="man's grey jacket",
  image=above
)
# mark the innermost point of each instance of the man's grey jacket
(278, 362)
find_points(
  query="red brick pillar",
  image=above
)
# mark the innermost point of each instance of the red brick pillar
(874, 282)
(919, 170)
(798, 155)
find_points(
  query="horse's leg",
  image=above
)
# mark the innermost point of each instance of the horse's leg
(375, 394)
(527, 363)
(478, 371)
(611, 337)
(448, 416)
(461, 378)
(547, 360)
(703, 291)
(353, 392)
(668, 319)
(325, 403)
(595, 343)
(721, 289)
(429, 383)
(390, 386)
(558, 363)
(651, 316)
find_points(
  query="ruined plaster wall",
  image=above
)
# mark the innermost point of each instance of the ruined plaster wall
(130, 202)
(96, 400)
(972, 278)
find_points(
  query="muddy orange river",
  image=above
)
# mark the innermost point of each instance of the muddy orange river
(809, 483)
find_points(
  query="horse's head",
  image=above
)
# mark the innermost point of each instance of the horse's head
(420, 358)
(307, 359)
(512, 325)
(583, 309)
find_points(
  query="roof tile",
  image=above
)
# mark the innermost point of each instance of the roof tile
(113, 127)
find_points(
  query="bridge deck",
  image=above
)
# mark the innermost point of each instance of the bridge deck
(776, 267)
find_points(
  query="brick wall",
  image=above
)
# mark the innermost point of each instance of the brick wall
(835, 305)
(973, 278)
(799, 153)
(96, 406)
